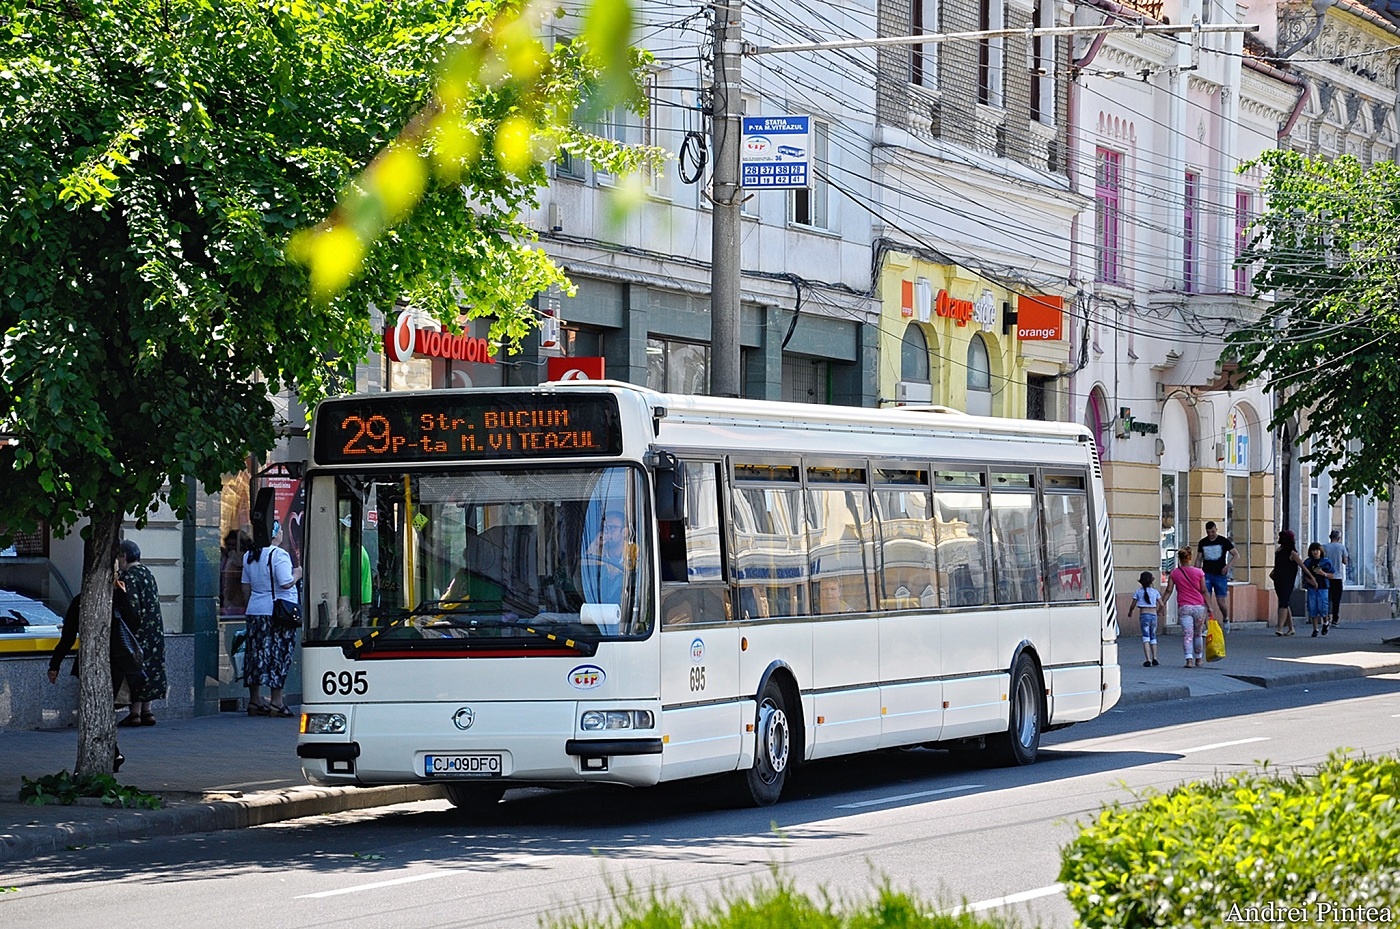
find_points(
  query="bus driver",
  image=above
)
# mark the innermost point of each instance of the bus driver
(610, 560)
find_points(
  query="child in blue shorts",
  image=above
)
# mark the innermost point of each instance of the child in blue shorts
(1146, 599)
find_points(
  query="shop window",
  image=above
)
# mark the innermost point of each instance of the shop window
(678, 367)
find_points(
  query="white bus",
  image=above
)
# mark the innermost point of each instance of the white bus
(595, 582)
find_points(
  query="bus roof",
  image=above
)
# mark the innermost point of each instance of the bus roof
(922, 419)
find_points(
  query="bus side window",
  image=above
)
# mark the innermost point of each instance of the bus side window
(687, 606)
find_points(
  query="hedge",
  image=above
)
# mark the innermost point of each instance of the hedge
(1254, 849)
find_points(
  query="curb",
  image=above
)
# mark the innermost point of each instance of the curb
(1154, 695)
(254, 810)
(1315, 675)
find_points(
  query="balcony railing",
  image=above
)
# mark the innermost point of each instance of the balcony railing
(1146, 8)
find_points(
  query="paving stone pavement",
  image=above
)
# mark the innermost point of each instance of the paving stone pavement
(230, 771)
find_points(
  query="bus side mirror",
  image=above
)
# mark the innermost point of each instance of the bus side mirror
(670, 485)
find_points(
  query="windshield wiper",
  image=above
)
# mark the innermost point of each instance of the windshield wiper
(451, 616)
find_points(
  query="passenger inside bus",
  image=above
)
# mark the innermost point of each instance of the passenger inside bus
(830, 598)
(686, 606)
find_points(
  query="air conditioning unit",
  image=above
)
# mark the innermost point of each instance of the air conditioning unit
(1219, 451)
(913, 392)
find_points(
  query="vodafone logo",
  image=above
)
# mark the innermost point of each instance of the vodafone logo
(574, 374)
(404, 340)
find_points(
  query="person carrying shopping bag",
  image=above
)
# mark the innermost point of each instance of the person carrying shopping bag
(1189, 584)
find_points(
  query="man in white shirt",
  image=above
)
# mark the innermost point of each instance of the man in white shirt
(1336, 552)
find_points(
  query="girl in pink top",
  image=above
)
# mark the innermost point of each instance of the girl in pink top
(1189, 582)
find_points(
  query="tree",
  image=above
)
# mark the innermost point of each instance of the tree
(1327, 250)
(158, 155)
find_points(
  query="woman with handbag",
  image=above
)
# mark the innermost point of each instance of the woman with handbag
(269, 583)
(124, 652)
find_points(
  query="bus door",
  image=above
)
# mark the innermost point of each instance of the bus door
(702, 713)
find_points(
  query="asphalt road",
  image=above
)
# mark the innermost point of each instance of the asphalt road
(954, 833)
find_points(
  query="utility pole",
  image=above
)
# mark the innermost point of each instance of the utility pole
(726, 104)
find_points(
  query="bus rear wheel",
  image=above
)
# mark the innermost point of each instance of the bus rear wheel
(1020, 742)
(763, 783)
(475, 798)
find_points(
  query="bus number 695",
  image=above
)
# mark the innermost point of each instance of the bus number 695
(697, 678)
(345, 683)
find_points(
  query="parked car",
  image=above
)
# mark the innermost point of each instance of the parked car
(24, 618)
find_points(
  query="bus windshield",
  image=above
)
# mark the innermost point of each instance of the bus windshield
(474, 557)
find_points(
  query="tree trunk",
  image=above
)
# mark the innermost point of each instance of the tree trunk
(97, 730)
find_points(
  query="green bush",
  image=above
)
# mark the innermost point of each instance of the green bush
(1253, 849)
(64, 788)
(770, 905)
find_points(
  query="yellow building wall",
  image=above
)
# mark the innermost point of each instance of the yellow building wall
(948, 341)
(1134, 494)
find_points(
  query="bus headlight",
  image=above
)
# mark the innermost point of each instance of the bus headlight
(323, 723)
(599, 720)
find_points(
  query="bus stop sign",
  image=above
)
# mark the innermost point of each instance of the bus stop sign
(776, 152)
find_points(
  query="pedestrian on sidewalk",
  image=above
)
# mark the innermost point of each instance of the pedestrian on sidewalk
(1146, 599)
(123, 652)
(267, 575)
(1336, 553)
(1317, 580)
(141, 589)
(1188, 582)
(1287, 564)
(1217, 556)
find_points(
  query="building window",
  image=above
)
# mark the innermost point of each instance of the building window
(678, 367)
(652, 175)
(1038, 398)
(979, 377)
(1043, 65)
(1244, 215)
(923, 59)
(1097, 419)
(809, 204)
(1190, 271)
(990, 54)
(913, 355)
(1108, 233)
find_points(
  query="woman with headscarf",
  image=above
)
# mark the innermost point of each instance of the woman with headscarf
(141, 590)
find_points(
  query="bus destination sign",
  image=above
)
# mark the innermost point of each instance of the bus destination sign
(456, 427)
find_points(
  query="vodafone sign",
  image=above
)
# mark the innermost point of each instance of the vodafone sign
(574, 369)
(404, 339)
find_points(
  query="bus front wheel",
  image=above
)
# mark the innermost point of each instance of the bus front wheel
(773, 753)
(1020, 742)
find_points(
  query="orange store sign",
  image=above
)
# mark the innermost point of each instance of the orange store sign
(1040, 319)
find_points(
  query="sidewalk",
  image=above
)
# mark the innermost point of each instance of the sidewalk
(229, 771)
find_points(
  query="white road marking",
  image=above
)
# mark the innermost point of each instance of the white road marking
(902, 797)
(1008, 900)
(411, 879)
(1206, 748)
